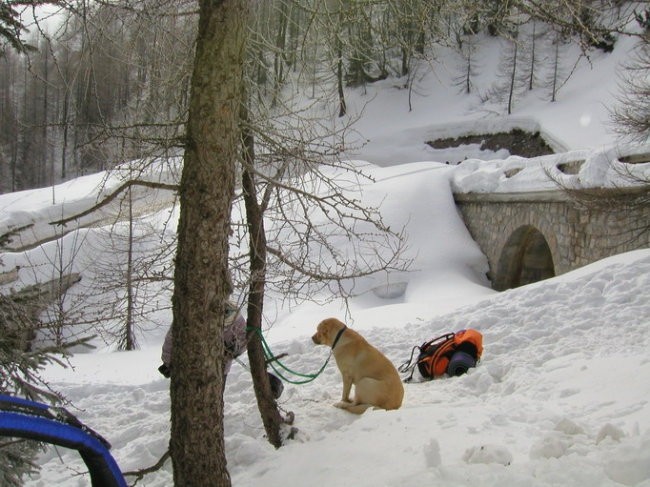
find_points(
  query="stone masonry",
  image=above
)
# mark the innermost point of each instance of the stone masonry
(531, 236)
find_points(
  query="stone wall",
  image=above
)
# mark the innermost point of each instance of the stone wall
(576, 230)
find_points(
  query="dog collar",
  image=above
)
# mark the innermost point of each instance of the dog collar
(338, 335)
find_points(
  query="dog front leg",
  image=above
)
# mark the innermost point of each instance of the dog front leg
(347, 387)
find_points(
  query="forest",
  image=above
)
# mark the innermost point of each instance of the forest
(87, 85)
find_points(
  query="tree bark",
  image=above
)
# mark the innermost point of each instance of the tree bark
(339, 67)
(128, 341)
(513, 76)
(201, 280)
(266, 403)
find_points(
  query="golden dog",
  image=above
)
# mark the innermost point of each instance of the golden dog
(375, 379)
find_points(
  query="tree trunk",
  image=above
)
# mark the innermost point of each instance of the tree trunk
(267, 406)
(556, 63)
(513, 77)
(339, 67)
(468, 74)
(42, 172)
(201, 280)
(533, 59)
(280, 47)
(128, 337)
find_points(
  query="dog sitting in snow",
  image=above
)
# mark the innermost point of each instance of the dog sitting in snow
(375, 379)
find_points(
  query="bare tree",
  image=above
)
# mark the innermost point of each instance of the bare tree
(556, 66)
(131, 261)
(511, 82)
(466, 46)
(632, 115)
(271, 417)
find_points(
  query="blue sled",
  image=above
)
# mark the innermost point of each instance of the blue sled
(32, 420)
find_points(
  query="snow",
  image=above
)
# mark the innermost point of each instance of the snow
(559, 398)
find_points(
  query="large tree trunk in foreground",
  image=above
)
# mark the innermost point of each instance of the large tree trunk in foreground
(201, 281)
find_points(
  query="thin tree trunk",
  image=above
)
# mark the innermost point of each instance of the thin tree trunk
(201, 280)
(533, 60)
(129, 335)
(267, 406)
(43, 165)
(280, 46)
(339, 67)
(64, 148)
(468, 74)
(555, 66)
(513, 78)
(405, 61)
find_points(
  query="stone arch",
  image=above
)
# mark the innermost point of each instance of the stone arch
(526, 258)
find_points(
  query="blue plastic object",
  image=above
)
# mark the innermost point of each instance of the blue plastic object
(460, 363)
(32, 420)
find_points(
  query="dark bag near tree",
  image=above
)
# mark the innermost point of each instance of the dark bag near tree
(451, 354)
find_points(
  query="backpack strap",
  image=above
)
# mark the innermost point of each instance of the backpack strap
(409, 365)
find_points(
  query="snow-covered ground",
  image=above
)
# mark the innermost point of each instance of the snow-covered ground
(559, 398)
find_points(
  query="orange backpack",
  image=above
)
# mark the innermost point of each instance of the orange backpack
(451, 354)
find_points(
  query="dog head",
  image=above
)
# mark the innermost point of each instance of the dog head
(327, 331)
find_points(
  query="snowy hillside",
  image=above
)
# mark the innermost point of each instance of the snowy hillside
(559, 398)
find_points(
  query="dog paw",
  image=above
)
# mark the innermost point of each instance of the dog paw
(343, 404)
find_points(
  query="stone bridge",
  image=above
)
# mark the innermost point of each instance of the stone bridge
(528, 237)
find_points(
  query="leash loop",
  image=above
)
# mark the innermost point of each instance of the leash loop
(277, 365)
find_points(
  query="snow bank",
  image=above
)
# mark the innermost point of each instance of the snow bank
(560, 398)
(32, 212)
(583, 169)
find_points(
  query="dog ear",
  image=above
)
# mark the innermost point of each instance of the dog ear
(327, 330)
(318, 337)
(324, 329)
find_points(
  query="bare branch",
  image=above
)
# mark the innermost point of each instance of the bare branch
(139, 474)
(115, 194)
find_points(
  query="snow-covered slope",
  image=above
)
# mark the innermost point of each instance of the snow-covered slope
(560, 397)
